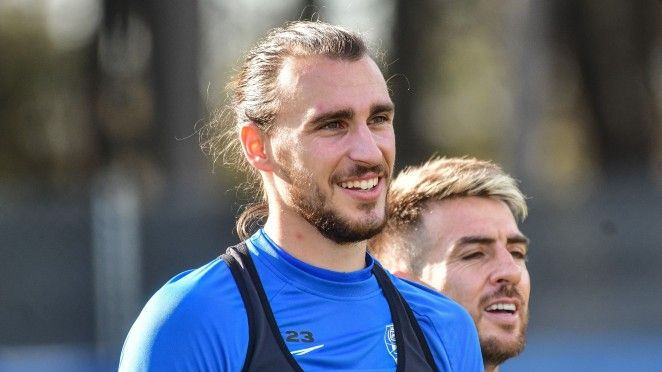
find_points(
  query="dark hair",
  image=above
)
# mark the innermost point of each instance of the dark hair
(254, 97)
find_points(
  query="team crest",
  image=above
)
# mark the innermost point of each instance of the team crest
(389, 340)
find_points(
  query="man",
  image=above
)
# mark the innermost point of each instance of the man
(453, 226)
(314, 120)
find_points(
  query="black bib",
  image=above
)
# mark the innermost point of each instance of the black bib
(266, 348)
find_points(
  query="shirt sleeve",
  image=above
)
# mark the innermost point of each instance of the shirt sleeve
(194, 323)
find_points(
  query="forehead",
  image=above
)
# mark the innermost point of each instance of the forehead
(317, 84)
(451, 219)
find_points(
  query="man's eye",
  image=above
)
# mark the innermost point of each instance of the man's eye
(519, 255)
(332, 125)
(379, 119)
(472, 256)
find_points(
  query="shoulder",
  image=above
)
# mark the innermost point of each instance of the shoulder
(428, 303)
(448, 327)
(197, 317)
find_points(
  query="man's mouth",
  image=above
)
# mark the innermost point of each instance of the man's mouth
(360, 184)
(502, 308)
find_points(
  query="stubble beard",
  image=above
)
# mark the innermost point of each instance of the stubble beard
(494, 349)
(311, 203)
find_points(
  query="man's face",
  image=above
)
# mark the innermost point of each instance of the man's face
(334, 145)
(478, 258)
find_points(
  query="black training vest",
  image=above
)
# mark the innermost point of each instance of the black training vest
(267, 350)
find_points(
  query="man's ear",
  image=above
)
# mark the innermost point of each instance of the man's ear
(253, 145)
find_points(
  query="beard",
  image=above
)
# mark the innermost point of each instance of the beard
(313, 208)
(496, 350)
(310, 202)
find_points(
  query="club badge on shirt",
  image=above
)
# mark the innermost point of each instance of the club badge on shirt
(389, 341)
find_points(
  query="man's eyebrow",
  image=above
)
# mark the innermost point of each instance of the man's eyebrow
(382, 107)
(518, 239)
(456, 249)
(466, 240)
(476, 239)
(347, 113)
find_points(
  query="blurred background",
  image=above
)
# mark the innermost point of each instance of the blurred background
(105, 193)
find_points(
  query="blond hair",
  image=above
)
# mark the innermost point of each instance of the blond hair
(436, 180)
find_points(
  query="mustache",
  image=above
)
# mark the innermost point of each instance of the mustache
(358, 170)
(506, 290)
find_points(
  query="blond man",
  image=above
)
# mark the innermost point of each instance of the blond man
(453, 226)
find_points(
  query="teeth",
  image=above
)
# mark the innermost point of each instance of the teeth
(363, 185)
(505, 307)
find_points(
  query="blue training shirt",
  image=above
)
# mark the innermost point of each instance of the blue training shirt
(329, 320)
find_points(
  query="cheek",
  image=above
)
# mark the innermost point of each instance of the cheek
(435, 276)
(322, 150)
(463, 287)
(282, 147)
(525, 284)
(293, 153)
(386, 143)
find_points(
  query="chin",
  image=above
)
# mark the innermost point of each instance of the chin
(346, 230)
(368, 222)
(497, 349)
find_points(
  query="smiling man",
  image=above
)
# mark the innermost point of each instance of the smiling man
(453, 227)
(313, 123)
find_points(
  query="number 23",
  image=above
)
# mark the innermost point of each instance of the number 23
(302, 336)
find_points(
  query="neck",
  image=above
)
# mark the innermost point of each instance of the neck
(491, 368)
(302, 240)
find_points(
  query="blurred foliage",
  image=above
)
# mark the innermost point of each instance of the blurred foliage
(45, 122)
(65, 110)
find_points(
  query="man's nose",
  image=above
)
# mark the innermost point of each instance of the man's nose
(364, 146)
(506, 269)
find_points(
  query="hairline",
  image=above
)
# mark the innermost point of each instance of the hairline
(421, 237)
(487, 180)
